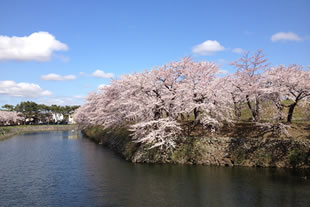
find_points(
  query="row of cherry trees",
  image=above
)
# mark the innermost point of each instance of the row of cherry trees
(10, 117)
(33, 113)
(256, 82)
(154, 104)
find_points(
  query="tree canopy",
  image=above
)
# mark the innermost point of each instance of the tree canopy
(154, 104)
(30, 109)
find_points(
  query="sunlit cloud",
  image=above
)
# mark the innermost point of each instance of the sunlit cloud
(22, 89)
(102, 74)
(285, 36)
(238, 50)
(56, 77)
(38, 46)
(208, 47)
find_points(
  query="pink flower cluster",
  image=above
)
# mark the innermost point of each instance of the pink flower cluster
(154, 103)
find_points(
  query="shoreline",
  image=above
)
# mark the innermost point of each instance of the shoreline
(216, 151)
(7, 132)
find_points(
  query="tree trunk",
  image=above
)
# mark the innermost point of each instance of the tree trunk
(237, 108)
(196, 114)
(182, 117)
(257, 109)
(254, 115)
(157, 113)
(279, 106)
(279, 111)
(290, 112)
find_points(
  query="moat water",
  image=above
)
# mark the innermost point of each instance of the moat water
(64, 169)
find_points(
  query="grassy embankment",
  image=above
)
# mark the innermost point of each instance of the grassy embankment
(246, 145)
(9, 131)
(241, 144)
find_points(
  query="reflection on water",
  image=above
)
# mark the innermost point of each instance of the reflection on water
(73, 134)
(63, 169)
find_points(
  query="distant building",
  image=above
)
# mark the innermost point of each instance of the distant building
(70, 119)
(57, 117)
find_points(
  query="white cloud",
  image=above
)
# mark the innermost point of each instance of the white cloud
(56, 77)
(62, 100)
(98, 74)
(238, 50)
(285, 36)
(208, 47)
(38, 46)
(59, 101)
(28, 90)
(102, 74)
(79, 96)
(102, 86)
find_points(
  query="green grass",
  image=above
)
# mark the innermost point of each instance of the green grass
(301, 113)
(4, 130)
(8, 131)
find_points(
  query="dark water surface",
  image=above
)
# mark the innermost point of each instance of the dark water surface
(60, 169)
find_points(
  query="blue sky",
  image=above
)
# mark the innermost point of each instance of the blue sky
(73, 39)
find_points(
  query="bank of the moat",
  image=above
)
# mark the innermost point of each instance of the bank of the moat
(9, 131)
(216, 150)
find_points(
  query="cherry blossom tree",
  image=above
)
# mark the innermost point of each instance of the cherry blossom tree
(291, 83)
(157, 133)
(150, 103)
(235, 94)
(249, 80)
(87, 114)
(10, 117)
(204, 94)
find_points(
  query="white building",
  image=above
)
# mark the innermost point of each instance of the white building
(57, 117)
(70, 119)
